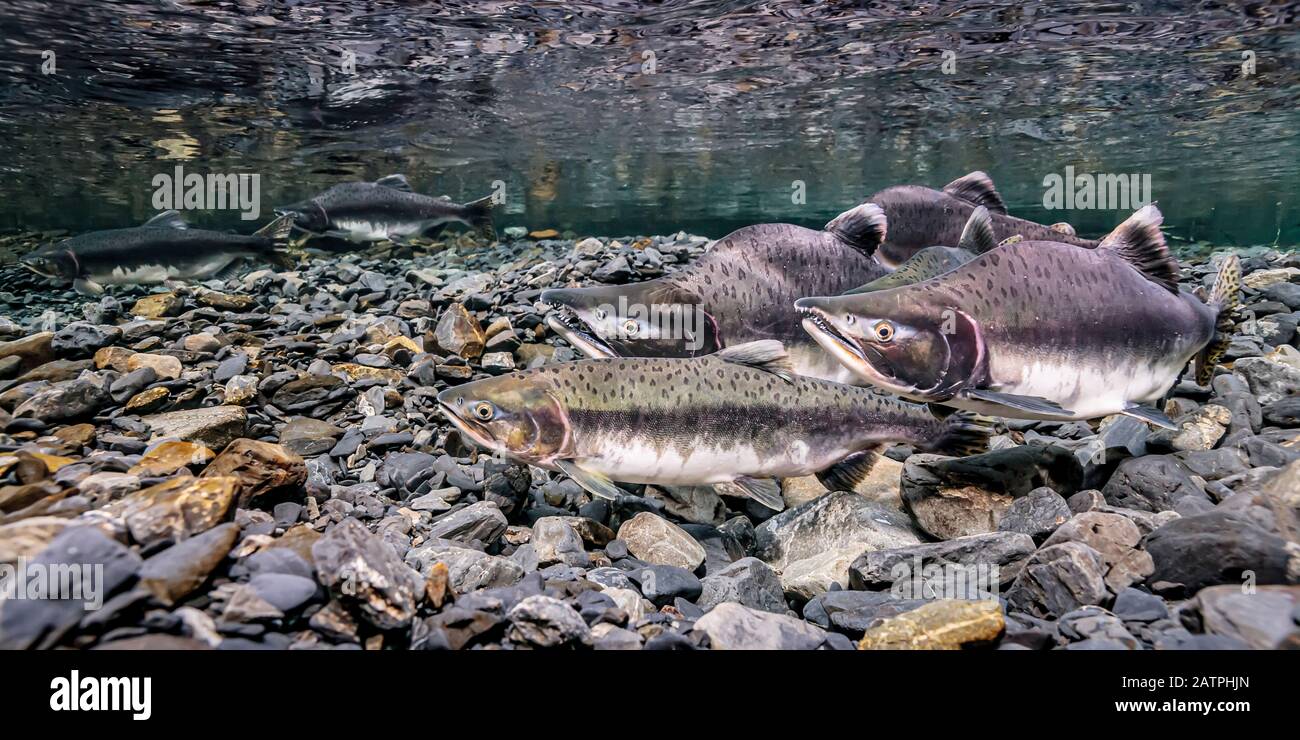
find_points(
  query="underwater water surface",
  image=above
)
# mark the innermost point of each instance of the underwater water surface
(631, 118)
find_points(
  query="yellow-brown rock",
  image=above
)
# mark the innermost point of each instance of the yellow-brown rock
(165, 367)
(114, 357)
(401, 342)
(170, 456)
(77, 435)
(36, 349)
(226, 301)
(15, 498)
(258, 467)
(459, 333)
(946, 624)
(27, 537)
(157, 306)
(363, 372)
(298, 538)
(52, 462)
(172, 510)
(148, 400)
(214, 426)
(437, 587)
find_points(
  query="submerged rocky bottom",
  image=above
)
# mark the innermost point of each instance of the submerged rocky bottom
(260, 463)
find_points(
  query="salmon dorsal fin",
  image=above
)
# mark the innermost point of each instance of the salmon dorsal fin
(168, 220)
(977, 189)
(396, 182)
(767, 355)
(978, 235)
(863, 227)
(1138, 241)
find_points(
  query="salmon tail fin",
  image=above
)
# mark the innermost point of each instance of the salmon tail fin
(963, 433)
(1224, 298)
(277, 229)
(478, 214)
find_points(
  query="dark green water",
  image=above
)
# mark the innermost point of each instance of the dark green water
(618, 117)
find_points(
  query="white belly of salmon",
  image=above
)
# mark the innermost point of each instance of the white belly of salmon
(152, 274)
(373, 231)
(1091, 391)
(703, 464)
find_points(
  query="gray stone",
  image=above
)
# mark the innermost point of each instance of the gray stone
(610, 637)
(309, 437)
(283, 591)
(699, 504)
(557, 542)
(131, 383)
(656, 540)
(1036, 514)
(1284, 412)
(42, 622)
(214, 426)
(662, 584)
(1092, 623)
(1151, 483)
(1268, 379)
(732, 626)
(72, 400)
(468, 569)
(1057, 580)
(1116, 539)
(1133, 605)
(1194, 552)
(543, 621)
(482, 521)
(1262, 618)
(360, 569)
(923, 571)
(748, 581)
(838, 520)
(174, 573)
(953, 497)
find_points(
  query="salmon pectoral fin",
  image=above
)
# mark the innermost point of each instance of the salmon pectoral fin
(87, 287)
(1027, 404)
(765, 491)
(1154, 416)
(594, 483)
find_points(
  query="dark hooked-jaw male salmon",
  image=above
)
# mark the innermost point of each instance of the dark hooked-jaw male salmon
(741, 290)
(1038, 329)
(921, 217)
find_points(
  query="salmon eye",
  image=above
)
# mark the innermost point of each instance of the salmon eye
(884, 331)
(483, 410)
(629, 327)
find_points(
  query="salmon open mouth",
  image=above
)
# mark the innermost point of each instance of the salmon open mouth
(468, 427)
(847, 349)
(818, 325)
(565, 321)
